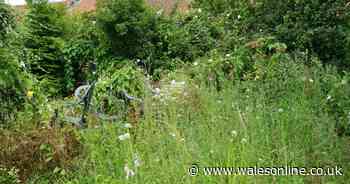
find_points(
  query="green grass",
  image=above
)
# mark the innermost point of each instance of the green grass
(241, 126)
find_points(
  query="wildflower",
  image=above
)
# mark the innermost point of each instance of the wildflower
(127, 125)
(310, 80)
(199, 10)
(210, 60)
(173, 83)
(234, 133)
(329, 97)
(128, 171)
(280, 110)
(173, 135)
(195, 63)
(160, 12)
(124, 137)
(228, 55)
(30, 94)
(244, 140)
(157, 91)
(22, 64)
(137, 161)
(211, 151)
(239, 17)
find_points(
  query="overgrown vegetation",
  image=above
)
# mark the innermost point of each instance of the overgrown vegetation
(230, 83)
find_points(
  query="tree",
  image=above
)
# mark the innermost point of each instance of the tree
(12, 79)
(319, 26)
(129, 26)
(6, 21)
(43, 42)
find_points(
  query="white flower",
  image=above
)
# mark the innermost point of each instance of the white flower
(195, 16)
(124, 137)
(260, 30)
(244, 140)
(199, 10)
(195, 63)
(157, 91)
(128, 172)
(280, 110)
(329, 97)
(211, 151)
(310, 80)
(137, 161)
(23, 65)
(234, 133)
(228, 55)
(239, 16)
(210, 60)
(127, 125)
(173, 83)
(160, 12)
(173, 134)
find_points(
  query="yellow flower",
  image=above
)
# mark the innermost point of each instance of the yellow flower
(30, 94)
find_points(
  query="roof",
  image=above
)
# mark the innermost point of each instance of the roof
(23, 2)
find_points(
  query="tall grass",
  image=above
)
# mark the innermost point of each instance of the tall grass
(279, 121)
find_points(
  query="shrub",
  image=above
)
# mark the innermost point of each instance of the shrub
(317, 26)
(216, 68)
(113, 82)
(6, 21)
(42, 45)
(81, 48)
(129, 27)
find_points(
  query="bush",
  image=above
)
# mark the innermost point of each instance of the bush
(217, 68)
(81, 48)
(129, 27)
(317, 26)
(113, 82)
(6, 22)
(43, 43)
